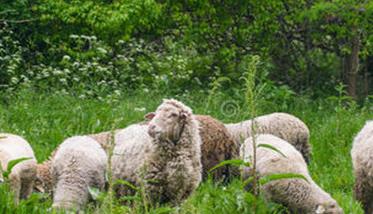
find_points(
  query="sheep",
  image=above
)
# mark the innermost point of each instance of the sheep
(79, 164)
(283, 125)
(299, 195)
(362, 156)
(22, 176)
(217, 146)
(164, 155)
(43, 183)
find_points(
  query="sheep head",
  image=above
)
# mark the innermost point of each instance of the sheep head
(329, 208)
(168, 122)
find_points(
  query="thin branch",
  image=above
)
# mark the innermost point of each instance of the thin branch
(7, 11)
(17, 21)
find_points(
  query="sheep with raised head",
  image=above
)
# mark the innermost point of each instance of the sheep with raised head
(282, 125)
(362, 161)
(78, 164)
(164, 156)
(22, 176)
(217, 146)
(299, 195)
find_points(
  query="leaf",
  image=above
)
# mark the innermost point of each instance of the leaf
(267, 146)
(126, 183)
(247, 181)
(234, 162)
(12, 164)
(273, 177)
(94, 192)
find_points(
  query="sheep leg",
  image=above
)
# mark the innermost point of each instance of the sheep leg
(15, 185)
(362, 194)
(27, 186)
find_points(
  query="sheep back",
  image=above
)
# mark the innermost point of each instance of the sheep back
(298, 195)
(282, 125)
(78, 164)
(362, 161)
(23, 174)
(217, 146)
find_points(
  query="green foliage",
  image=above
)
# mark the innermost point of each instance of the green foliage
(99, 48)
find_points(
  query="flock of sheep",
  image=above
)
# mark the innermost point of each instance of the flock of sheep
(170, 154)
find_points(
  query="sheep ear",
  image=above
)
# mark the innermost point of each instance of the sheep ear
(149, 116)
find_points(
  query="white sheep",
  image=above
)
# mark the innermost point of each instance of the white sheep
(43, 181)
(164, 156)
(362, 161)
(282, 125)
(298, 195)
(78, 164)
(22, 176)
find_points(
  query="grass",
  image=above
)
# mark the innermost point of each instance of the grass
(46, 119)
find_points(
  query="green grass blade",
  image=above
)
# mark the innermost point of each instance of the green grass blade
(13, 163)
(234, 162)
(247, 181)
(267, 146)
(273, 177)
(126, 183)
(94, 192)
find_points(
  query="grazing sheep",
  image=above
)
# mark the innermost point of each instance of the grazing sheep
(298, 195)
(43, 181)
(78, 164)
(217, 146)
(23, 174)
(164, 156)
(282, 125)
(362, 161)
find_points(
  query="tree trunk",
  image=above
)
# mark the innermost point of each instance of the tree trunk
(366, 78)
(351, 66)
(368, 75)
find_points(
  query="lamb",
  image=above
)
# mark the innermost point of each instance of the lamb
(78, 164)
(299, 195)
(217, 146)
(282, 125)
(164, 156)
(22, 176)
(362, 156)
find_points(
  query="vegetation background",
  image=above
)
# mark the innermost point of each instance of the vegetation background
(70, 67)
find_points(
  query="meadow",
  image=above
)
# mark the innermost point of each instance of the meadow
(46, 119)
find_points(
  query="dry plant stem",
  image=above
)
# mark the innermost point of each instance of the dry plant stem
(255, 178)
(109, 171)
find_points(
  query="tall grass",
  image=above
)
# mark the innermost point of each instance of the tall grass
(46, 119)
